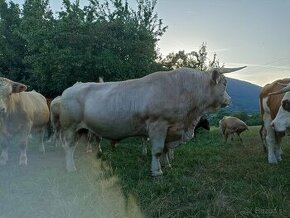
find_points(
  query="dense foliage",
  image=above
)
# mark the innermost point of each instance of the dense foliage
(52, 51)
(194, 59)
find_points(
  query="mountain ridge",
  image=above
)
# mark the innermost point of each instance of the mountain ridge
(244, 95)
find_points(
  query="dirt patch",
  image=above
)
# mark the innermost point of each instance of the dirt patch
(45, 189)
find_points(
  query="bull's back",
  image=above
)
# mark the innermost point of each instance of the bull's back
(270, 104)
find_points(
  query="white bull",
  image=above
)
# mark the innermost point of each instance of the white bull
(164, 106)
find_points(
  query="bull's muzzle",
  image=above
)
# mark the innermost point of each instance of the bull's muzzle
(226, 103)
(227, 100)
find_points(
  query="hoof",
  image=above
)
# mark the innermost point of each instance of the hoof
(89, 150)
(272, 161)
(23, 162)
(71, 169)
(157, 173)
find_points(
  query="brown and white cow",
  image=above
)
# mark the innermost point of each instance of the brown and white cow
(21, 113)
(165, 106)
(230, 126)
(269, 107)
(282, 120)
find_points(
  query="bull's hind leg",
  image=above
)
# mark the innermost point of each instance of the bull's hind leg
(22, 139)
(164, 159)
(144, 145)
(226, 135)
(157, 134)
(23, 156)
(4, 154)
(69, 148)
(40, 136)
(240, 138)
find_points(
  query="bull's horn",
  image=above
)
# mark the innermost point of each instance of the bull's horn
(281, 91)
(229, 70)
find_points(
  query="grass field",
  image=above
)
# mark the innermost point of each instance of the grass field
(207, 179)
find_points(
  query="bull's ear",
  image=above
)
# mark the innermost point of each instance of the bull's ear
(216, 77)
(18, 87)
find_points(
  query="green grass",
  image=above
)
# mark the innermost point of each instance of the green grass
(208, 179)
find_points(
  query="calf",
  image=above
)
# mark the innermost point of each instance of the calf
(269, 107)
(20, 114)
(230, 126)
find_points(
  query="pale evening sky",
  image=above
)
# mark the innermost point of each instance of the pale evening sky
(255, 33)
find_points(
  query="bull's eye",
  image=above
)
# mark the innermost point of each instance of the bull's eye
(286, 105)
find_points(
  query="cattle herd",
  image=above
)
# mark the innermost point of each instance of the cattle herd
(166, 107)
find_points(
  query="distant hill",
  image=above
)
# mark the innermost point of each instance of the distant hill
(245, 96)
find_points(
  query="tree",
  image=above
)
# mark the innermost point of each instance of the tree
(12, 45)
(108, 39)
(192, 59)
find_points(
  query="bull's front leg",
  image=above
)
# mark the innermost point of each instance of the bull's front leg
(157, 134)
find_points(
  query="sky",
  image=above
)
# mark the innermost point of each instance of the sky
(252, 33)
